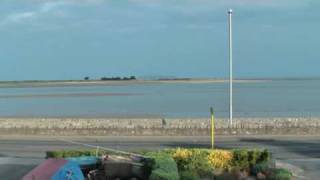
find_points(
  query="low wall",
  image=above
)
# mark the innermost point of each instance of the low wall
(157, 127)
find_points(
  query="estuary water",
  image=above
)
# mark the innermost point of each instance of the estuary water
(278, 98)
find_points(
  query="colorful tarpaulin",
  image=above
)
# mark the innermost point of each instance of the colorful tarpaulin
(55, 169)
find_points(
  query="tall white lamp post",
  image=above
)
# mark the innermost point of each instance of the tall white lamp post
(230, 68)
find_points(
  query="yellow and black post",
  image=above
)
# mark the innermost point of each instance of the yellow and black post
(212, 127)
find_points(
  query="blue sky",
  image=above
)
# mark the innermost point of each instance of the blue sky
(70, 39)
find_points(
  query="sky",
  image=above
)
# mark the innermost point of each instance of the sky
(71, 39)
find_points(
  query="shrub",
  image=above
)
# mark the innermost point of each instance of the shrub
(280, 174)
(248, 158)
(258, 156)
(182, 158)
(260, 167)
(225, 176)
(164, 167)
(182, 154)
(265, 156)
(220, 159)
(193, 161)
(240, 159)
(72, 153)
(200, 164)
(161, 174)
(193, 164)
(189, 175)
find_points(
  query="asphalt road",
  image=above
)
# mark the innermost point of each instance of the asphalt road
(18, 155)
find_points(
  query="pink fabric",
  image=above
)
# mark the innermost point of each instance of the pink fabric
(45, 170)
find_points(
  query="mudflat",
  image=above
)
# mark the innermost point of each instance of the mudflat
(58, 83)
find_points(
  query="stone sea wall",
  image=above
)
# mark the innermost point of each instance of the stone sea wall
(157, 127)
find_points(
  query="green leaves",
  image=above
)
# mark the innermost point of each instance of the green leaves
(164, 167)
(194, 164)
(245, 159)
(72, 153)
(281, 174)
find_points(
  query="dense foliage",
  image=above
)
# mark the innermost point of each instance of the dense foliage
(196, 164)
(220, 159)
(164, 167)
(280, 174)
(192, 162)
(245, 159)
(74, 153)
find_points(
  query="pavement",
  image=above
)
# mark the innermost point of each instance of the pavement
(20, 154)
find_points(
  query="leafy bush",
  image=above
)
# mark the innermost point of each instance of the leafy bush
(220, 159)
(193, 161)
(72, 153)
(199, 163)
(189, 175)
(259, 156)
(202, 162)
(194, 164)
(240, 159)
(182, 158)
(164, 167)
(182, 153)
(248, 158)
(263, 167)
(280, 174)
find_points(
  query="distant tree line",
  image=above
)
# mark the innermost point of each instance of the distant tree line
(113, 78)
(117, 78)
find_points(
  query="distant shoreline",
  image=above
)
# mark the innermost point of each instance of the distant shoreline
(57, 83)
(74, 83)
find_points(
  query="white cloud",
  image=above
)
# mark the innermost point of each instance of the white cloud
(49, 6)
(19, 16)
(41, 10)
(45, 6)
(224, 3)
(162, 10)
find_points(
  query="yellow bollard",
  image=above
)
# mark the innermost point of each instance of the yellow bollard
(212, 127)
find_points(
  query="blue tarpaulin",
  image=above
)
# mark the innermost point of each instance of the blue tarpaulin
(70, 171)
(84, 160)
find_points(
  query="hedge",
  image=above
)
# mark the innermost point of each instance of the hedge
(164, 167)
(246, 159)
(73, 153)
(194, 164)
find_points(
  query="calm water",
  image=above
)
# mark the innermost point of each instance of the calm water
(267, 99)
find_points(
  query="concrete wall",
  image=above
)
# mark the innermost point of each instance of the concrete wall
(150, 127)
